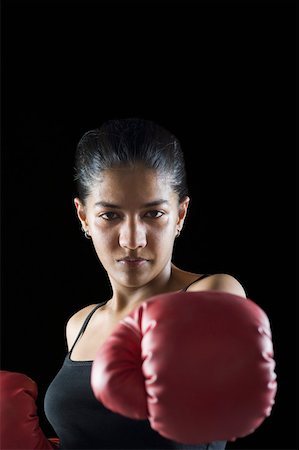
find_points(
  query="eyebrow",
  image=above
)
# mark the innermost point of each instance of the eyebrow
(146, 205)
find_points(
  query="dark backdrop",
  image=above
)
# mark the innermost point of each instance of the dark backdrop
(222, 77)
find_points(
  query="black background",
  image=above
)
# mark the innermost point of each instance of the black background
(222, 77)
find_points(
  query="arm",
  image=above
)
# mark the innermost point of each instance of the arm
(20, 427)
(199, 365)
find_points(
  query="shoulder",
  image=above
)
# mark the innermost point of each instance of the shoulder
(75, 323)
(219, 282)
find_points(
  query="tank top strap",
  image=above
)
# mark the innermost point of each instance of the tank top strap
(85, 323)
(197, 279)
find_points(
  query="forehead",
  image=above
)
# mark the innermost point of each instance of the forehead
(132, 185)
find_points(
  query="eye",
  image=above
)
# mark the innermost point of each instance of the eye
(109, 216)
(154, 214)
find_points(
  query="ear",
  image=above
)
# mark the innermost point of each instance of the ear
(81, 213)
(183, 208)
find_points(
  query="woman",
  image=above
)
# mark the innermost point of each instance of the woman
(132, 203)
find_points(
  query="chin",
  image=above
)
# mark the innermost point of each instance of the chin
(133, 281)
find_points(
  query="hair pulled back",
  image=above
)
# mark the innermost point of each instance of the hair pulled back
(125, 143)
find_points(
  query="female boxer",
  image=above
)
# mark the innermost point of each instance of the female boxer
(173, 359)
(132, 203)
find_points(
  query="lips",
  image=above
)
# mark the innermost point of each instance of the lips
(132, 258)
(131, 261)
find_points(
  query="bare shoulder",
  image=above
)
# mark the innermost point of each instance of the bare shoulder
(220, 282)
(75, 323)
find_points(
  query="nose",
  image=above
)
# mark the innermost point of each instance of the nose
(132, 234)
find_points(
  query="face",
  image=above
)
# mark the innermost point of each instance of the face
(133, 216)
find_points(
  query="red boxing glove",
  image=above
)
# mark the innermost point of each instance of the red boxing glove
(18, 414)
(198, 365)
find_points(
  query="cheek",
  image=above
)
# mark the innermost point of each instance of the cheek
(162, 236)
(105, 243)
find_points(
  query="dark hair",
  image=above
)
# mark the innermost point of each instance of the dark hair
(125, 142)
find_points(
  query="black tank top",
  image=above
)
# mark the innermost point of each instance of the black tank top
(82, 422)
